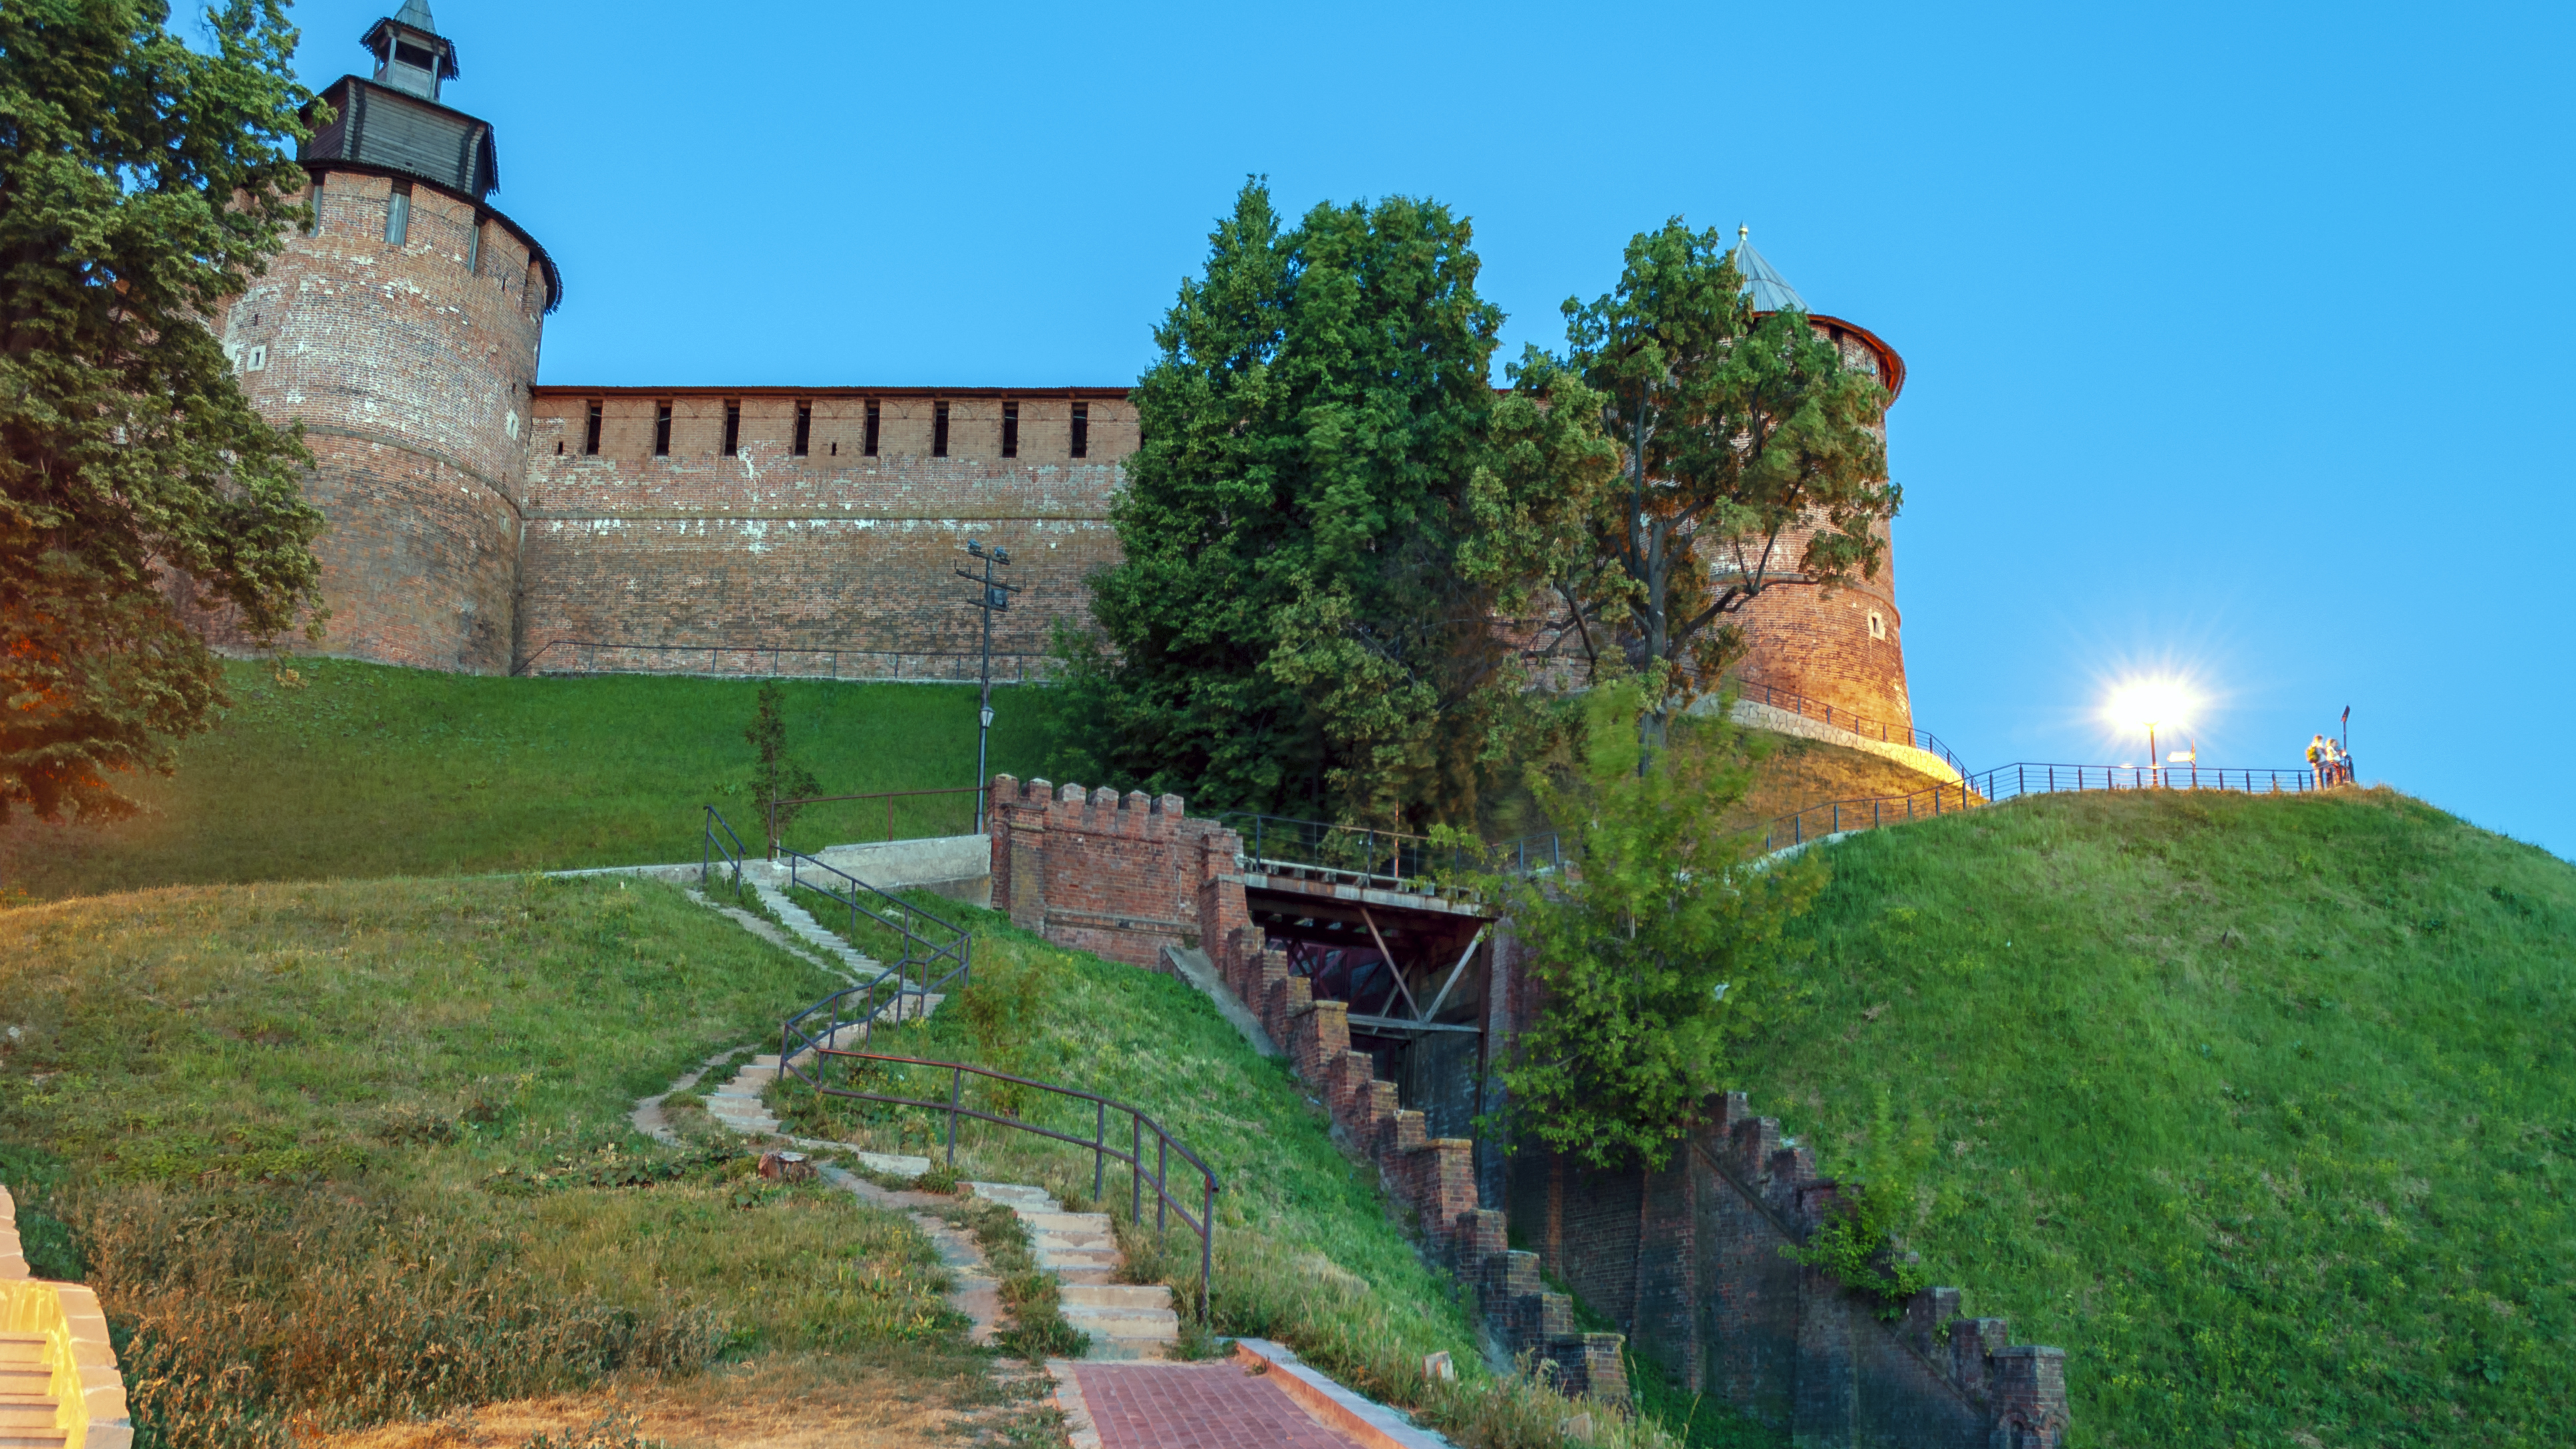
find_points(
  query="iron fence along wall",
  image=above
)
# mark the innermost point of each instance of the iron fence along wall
(731, 661)
(1397, 859)
(2008, 782)
(1791, 701)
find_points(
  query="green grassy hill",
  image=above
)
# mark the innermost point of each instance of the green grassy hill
(2263, 1108)
(367, 770)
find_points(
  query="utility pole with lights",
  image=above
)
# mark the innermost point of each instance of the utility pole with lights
(995, 598)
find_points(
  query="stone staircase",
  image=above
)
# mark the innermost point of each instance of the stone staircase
(1080, 1250)
(59, 1384)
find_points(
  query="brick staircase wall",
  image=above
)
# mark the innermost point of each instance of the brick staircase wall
(1432, 1179)
(1689, 1259)
(1092, 871)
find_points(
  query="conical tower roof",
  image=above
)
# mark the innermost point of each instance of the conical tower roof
(1771, 292)
(415, 13)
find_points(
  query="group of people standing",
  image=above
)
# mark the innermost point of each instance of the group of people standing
(2331, 764)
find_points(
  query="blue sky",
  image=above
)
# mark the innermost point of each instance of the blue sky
(2238, 335)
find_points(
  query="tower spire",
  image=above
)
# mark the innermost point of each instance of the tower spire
(1771, 292)
(411, 56)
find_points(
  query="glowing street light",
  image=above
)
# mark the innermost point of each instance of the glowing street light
(2151, 704)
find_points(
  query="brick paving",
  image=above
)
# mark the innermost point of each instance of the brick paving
(1196, 1406)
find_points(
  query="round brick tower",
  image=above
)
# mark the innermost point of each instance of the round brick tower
(402, 330)
(1846, 648)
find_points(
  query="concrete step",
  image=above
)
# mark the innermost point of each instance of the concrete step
(21, 1347)
(1016, 1196)
(895, 1164)
(1075, 1242)
(1150, 1297)
(1054, 1262)
(765, 1059)
(1093, 1276)
(32, 1438)
(1066, 1222)
(26, 1411)
(1124, 1350)
(26, 1377)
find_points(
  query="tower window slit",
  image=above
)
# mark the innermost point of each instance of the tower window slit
(474, 249)
(590, 436)
(733, 426)
(1010, 430)
(314, 197)
(804, 428)
(661, 430)
(398, 215)
(939, 429)
(1082, 430)
(868, 445)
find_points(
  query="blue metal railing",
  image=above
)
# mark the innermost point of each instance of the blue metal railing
(712, 849)
(2008, 782)
(937, 953)
(1757, 692)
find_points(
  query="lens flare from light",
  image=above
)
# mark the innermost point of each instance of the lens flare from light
(2162, 703)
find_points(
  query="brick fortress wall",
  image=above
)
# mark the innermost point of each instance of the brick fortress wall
(831, 550)
(1689, 1262)
(409, 366)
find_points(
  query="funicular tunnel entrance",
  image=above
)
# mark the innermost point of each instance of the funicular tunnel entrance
(1415, 971)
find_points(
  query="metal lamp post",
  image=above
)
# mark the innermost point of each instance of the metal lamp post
(994, 598)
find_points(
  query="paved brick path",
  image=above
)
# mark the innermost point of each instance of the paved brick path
(1196, 1406)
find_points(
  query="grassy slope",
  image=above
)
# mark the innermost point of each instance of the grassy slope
(372, 771)
(2262, 1108)
(352, 1141)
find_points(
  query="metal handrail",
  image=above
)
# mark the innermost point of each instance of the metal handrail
(2010, 782)
(796, 1048)
(746, 660)
(711, 849)
(1845, 719)
(888, 796)
(954, 944)
(1353, 850)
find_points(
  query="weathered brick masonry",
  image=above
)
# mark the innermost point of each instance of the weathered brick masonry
(410, 370)
(830, 550)
(1689, 1261)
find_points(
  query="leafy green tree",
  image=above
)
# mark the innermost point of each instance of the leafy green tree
(1661, 944)
(1322, 528)
(142, 184)
(777, 780)
(1750, 457)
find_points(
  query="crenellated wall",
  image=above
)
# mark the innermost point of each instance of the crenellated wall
(1690, 1261)
(831, 549)
(1120, 878)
